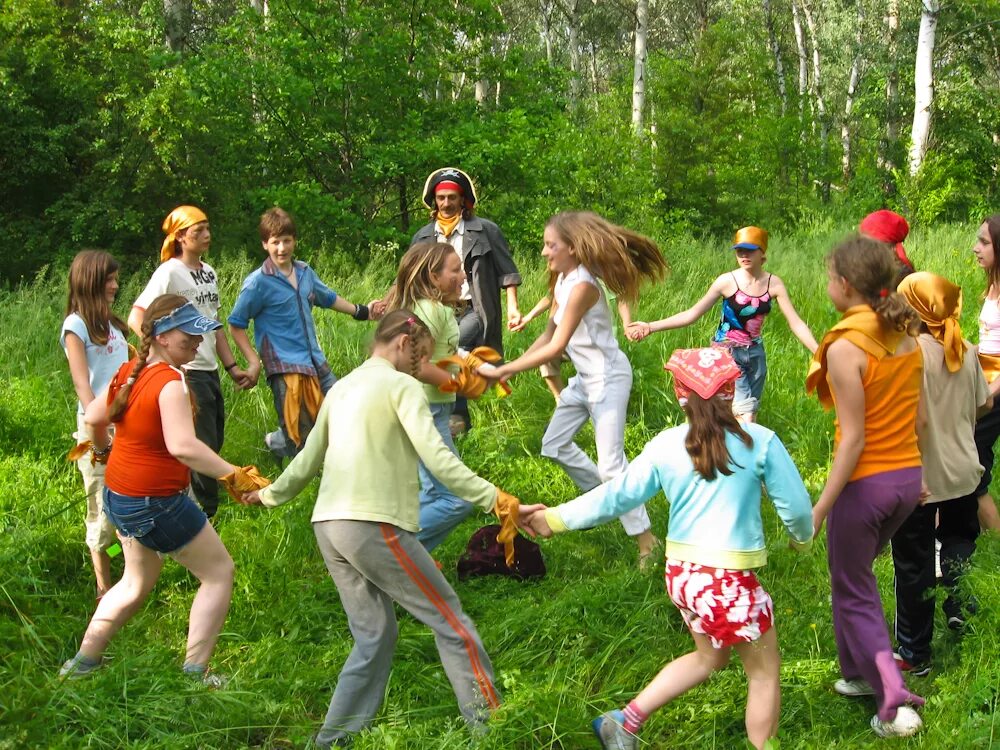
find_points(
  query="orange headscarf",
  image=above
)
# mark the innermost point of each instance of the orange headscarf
(860, 325)
(938, 302)
(180, 218)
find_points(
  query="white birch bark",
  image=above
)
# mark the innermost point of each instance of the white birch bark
(639, 72)
(177, 24)
(852, 89)
(885, 155)
(923, 84)
(817, 90)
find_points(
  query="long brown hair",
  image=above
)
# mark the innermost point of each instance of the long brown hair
(413, 280)
(401, 321)
(162, 305)
(88, 276)
(709, 420)
(871, 267)
(623, 259)
(993, 272)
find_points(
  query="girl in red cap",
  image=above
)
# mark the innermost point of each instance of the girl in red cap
(891, 228)
(711, 469)
(747, 295)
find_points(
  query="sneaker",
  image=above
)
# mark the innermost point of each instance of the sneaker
(906, 724)
(78, 667)
(916, 669)
(211, 680)
(457, 425)
(853, 688)
(956, 623)
(271, 440)
(611, 732)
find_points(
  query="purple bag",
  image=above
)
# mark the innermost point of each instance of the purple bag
(484, 556)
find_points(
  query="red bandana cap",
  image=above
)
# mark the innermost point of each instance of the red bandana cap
(180, 218)
(708, 372)
(447, 185)
(889, 227)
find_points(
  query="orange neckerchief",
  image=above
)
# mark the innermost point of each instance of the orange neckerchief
(300, 391)
(506, 509)
(863, 328)
(991, 366)
(448, 225)
(938, 302)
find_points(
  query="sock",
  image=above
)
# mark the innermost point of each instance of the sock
(195, 670)
(634, 717)
(85, 661)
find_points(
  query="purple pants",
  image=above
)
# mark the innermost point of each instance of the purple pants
(861, 523)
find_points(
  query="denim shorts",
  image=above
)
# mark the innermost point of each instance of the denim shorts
(163, 524)
(750, 384)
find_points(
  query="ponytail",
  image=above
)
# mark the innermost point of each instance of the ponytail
(871, 267)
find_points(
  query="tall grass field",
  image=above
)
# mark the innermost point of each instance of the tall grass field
(579, 642)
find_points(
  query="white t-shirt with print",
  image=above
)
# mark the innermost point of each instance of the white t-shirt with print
(104, 360)
(197, 285)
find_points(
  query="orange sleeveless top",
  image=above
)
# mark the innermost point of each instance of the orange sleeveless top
(140, 464)
(892, 393)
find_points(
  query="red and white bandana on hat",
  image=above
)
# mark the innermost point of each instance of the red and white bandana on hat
(708, 372)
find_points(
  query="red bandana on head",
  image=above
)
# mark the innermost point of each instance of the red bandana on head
(708, 372)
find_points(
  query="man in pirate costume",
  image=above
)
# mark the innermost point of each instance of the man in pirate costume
(489, 267)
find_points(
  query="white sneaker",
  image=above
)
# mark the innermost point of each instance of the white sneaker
(906, 724)
(853, 688)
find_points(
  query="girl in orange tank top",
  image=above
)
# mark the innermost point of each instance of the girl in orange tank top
(869, 368)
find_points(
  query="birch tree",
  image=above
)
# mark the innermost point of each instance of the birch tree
(817, 90)
(886, 159)
(852, 88)
(639, 73)
(923, 84)
(779, 68)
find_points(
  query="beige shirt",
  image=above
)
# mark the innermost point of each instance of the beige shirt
(457, 241)
(947, 443)
(372, 428)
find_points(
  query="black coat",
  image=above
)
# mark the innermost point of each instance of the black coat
(489, 268)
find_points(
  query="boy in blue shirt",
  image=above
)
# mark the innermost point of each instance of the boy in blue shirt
(278, 297)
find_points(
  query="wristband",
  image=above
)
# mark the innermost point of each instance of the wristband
(361, 312)
(229, 366)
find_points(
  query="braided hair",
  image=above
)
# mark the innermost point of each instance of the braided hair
(162, 305)
(400, 322)
(871, 267)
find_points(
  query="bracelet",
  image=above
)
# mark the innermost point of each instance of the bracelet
(229, 367)
(100, 452)
(361, 312)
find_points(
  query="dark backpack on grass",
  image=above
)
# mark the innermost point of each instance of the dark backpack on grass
(484, 556)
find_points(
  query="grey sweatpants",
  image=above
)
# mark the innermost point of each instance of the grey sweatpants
(374, 564)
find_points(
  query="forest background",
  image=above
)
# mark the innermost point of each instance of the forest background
(671, 116)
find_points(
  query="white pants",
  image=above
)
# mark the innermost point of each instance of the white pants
(608, 416)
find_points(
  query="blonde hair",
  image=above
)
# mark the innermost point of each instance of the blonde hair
(88, 276)
(162, 305)
(870, 267)
(623, 259)
(402, 321)
(414, 280)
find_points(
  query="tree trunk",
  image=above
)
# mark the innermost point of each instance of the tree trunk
(800, 47)
(852, 88)
(886, 161)
(923, 84)
(821, 115)
(779, 68)
(639, 74)
(545, 19)
(261, 6)
(176, 24)
(573, 18)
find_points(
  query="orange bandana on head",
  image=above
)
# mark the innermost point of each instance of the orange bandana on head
(180, 218)
(708, 372)
(938, 302)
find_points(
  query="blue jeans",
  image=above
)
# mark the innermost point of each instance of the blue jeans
(440, 510)
(163, 524)
(750, 384)
(278, 441)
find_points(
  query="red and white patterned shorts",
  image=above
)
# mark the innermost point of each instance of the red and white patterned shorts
(729, 606)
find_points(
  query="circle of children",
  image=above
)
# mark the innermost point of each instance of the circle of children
(915, 429)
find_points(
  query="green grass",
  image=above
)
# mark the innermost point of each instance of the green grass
(581, 641)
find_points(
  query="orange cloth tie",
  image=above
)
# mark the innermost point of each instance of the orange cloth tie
(467, 382)
(300, 391)
(506, 509)
(448, 226)
(938, 302)
(80, 450)
(243, 479)
(863, 328)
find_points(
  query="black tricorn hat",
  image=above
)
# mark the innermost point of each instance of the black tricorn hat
(449, 174)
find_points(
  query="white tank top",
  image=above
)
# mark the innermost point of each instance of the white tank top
(593, 347)
(989, 327)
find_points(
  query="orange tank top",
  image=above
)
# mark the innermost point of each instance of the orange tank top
(892, 393)
(140, 464)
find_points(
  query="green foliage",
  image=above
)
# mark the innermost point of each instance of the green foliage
(566, 648)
